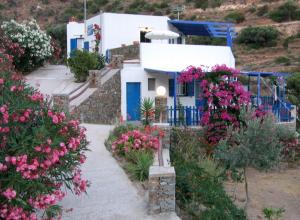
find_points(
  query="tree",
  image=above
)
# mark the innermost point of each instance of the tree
(253, 145)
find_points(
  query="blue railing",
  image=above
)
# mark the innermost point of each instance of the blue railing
(282, 110)
(185, 115)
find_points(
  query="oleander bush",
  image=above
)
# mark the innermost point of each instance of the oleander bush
(257, 37)
(35, 42)
(41, 150)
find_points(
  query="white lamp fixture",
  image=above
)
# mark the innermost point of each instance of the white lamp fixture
(161, 91)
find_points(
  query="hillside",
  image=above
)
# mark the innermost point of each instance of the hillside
(255, 12)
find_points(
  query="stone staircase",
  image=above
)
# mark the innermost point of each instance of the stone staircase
(99, 99)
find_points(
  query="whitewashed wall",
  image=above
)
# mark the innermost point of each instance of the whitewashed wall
(135, 73)
(118, 29)
(74, 30)
(177, 57)
(94, 20)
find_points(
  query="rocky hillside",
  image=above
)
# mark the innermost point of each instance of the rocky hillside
(283, 57)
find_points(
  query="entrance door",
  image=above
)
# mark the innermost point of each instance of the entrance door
(133, 100)
(73, 44)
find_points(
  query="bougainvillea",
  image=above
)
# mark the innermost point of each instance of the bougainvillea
(35, 43)
(41, 150)
(97, 36)
(224, 97)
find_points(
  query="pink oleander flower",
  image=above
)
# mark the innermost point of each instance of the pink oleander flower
(9, 193)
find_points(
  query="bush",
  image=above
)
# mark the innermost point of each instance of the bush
(35, 42)
(147, 111)
(41, 150)
(235, 16)
(199, 189)
(283, 60)
(252, 145)
(139, 163)
(81, 62)
(58, 33)
(257, 37)
(135, 140)
(287, 12)
(263, 10)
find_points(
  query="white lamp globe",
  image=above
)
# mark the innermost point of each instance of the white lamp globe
(161, 91)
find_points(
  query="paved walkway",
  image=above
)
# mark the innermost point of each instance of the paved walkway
(47, 79)
(112, 195)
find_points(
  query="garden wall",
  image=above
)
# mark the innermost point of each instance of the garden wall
(104, 105)
(128, 52)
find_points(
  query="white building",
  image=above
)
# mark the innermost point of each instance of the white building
(160, 60)
(116, 30)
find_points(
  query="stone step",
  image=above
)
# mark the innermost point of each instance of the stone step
(80, 99)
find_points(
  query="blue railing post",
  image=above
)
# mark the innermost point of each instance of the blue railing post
(175, 96)
(258, 89)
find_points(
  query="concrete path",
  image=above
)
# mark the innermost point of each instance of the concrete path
(47, 79)
(112, 195)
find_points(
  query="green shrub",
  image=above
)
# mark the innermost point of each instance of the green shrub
(147, 111)
(235, 16)
(139, 164)
(283, 60)
(273, 213)
(287, 12)
(257, 37)
(252, 145)
(2, 6)
(202, 40)
(58, 33)
(199, 189)
(81, 62)
(263, 10)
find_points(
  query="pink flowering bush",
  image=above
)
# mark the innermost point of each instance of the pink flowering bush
(224, 97)
(41, 150)
(135, 140)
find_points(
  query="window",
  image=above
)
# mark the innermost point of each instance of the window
(143, 38)
(182, 89)
(151, 84)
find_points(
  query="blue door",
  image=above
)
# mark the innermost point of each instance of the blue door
(73, 44)
(87, 46)
(133, 101)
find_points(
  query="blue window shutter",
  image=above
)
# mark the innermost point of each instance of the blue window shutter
(190, 88)
(171, 87)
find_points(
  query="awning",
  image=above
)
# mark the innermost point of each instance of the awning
(209, 29)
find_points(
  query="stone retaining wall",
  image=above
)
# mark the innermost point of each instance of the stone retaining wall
(128, 52)
(104, 105)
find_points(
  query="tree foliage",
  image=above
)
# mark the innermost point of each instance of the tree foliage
(257, 37)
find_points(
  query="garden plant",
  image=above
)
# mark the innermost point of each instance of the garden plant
(135, 146)
(81, 62)
(41, 148)
(35, 44)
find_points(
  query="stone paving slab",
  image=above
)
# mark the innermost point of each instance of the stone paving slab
(112, 196)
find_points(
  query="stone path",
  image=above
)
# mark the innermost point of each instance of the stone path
(49, 78)
(112, 195)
